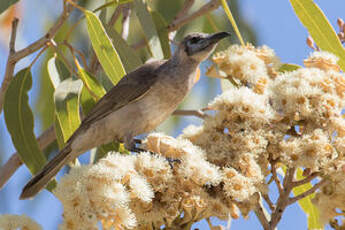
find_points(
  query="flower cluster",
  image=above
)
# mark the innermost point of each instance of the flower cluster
(293, 117)
(144, 190)
(14, 222)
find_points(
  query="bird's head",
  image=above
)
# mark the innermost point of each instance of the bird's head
(199, 46)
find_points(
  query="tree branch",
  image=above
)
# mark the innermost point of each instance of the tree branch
(196, 113)
(306, 180)
(185, 8)
(268, 201)
(10, 64)
(184, 19)
(10, 167)
(283, 200)
(274, 173)
(306, 193)
(15, 56)
(260, 213)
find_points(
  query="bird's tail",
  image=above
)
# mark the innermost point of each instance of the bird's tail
(38, 182)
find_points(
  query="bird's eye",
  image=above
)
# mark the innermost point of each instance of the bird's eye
(194, 40)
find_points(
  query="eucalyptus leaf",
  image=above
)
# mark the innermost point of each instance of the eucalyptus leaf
(91, 83)
(149, 29)
(288, 67)
(161, 27)
(20, 121)
(128, 56)
(104, 48)
(66, 99)
(319, 28)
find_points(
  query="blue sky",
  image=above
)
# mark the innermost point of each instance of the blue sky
(276, 26)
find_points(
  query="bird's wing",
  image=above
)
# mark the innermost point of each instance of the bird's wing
(130, 88)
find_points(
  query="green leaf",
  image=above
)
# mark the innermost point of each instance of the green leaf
(288, 67)
(129, 57)
(53, 72)
(161, 27)
(20, 121)
(87, 101)
(95, 89)
(66, 98)
(149, 29)
(319, 28)
(307, 206)
(57, 71)
(5, 4)
(104, 49)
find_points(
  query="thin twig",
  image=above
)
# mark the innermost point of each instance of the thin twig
(73, 51)
(10, 64)
(275, 175)
(185, 9)
(38, 55)
(288, 179)
(268, 201)
(140, 44)
(115, 16)
(306, 193)
(46, 38)
(179, 22)
(260, 213)
(53, 44)
(196, 113)
(10, 167)
(306, 180)
(283, 200)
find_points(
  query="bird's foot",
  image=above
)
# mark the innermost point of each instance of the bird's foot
(136, 149)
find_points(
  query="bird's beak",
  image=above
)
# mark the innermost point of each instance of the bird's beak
(216, 37)
(211, 40)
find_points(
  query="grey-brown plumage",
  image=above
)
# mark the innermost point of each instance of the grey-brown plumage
(137, 104)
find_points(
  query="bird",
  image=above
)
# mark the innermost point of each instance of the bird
(141, 100)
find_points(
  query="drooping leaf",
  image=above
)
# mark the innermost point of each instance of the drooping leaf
(5, 4)
(66, 98)
(319, 28)
(149, 29)
(161, 27)
(95, 89)
(104, 49)
(57, 72)
(20, 121)
(53, 72)
(307, 206)
(129, 57)
(86, 100)
(288, 67)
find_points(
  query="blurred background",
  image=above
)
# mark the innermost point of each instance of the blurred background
(268, 22)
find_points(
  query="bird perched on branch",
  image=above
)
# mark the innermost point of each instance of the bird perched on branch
(140, 101)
